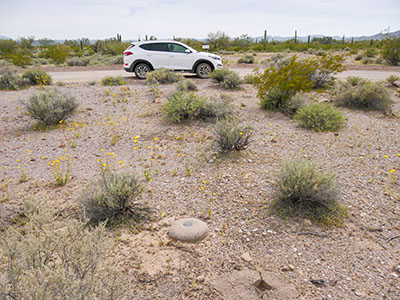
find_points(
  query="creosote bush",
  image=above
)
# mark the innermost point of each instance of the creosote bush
(112, 80)
(186, 85)
(326, 67)
(77, 61)
(226, 78)
(249, 79)
(305, 192)
(37, 77)
(320, 117)
(355, 80)
(215, 110)
(163, 76)
(365, 95)
(230, 136)
(45, 259)
(51, 107)
(113, 198)
(393, 79)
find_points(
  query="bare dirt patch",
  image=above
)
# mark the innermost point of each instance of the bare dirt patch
(184, 178)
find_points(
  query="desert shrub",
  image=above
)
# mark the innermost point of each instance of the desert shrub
(320, 117)
(370, 52)
(112, 80)
(37, 77)
(355, 80)
(367, 61)
(228, 79)
(231, 137)
(366, 95)
(305, 192)
(113, 198)
(247, 59)
(60, 83)
(7, 47)
(276, 86)
(40, 61)
(392, 79)
(186, 85)
(249, 79)
(51, 107)
(118, 60)
(215, 110)
(77, 61)
(57, 53)
(10, 80)
(20, 59)
(391, 51)
(359, 57)
(181, 106)
(327, 66)
(163, 76)
(44, 259)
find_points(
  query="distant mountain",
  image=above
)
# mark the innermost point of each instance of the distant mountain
(4, 38)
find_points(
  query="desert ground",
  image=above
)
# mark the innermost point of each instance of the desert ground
(184, 176)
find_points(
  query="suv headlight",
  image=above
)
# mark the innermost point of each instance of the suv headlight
(214, 57)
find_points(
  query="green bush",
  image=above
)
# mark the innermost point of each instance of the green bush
(366, 95)
(77, 61)
(326, 67)
(186, 85)
(110, 80)
(276, 87)
(305, 192)
(247, 59)
(181, 106)
(231, 137)
(7, 47)
(46, 259)
(163, 76)
(51, 107)
(355, 80)
(228, 79)
(20, 59)
(370, 53)
(215, 110)
(10, 80)
(320, 117)
(392, 80)
(391, 51)
(57, 53)
(249, 79)
(113, 198)
(37, 77)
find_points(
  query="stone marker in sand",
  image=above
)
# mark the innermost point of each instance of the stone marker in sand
(188, 230)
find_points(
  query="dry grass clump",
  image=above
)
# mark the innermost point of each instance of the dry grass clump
(51, 107)
(186, 85)
(44, 259)
(305, 192)
(230, 136)
(113, 198)
(163, 76)
(365, 95)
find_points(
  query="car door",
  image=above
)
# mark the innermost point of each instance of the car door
(156, 54)
(180, 58)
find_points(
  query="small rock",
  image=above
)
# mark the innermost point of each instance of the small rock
(307, 222)
(62, 145)
(242, 105)
(398, 269)
(318, 282)
(332, 282)
(200, 278)
(246, 257)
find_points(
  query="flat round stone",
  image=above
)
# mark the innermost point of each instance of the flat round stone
(188, 230)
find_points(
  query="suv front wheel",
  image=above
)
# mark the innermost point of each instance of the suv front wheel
(203, 70)
(141, 70)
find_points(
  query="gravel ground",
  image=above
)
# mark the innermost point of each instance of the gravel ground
(185, 178)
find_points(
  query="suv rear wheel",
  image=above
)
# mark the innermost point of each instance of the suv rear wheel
(141, 70)
(203, 70)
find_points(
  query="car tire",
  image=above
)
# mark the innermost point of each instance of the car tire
(203, 70)
(141, 69)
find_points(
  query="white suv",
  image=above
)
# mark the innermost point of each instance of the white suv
(143, 57)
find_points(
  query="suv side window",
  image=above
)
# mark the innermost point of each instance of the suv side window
(155, 47)
(176, 48)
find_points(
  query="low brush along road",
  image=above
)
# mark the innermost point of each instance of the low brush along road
(90, 75)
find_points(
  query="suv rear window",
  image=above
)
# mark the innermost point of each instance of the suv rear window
(155, 47)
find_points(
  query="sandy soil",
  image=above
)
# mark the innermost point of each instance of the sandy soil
(232, 194)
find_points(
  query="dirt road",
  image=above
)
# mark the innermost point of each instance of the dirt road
(85, 76)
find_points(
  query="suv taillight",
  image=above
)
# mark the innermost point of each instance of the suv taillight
(127, 53)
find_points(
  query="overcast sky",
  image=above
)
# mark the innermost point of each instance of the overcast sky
(99, 19)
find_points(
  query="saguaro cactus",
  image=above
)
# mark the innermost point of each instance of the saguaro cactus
(308, 40)
(265, 40)
(295, 36)
(119, 37)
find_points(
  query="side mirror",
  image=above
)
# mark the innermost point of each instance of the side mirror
(188, 51)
